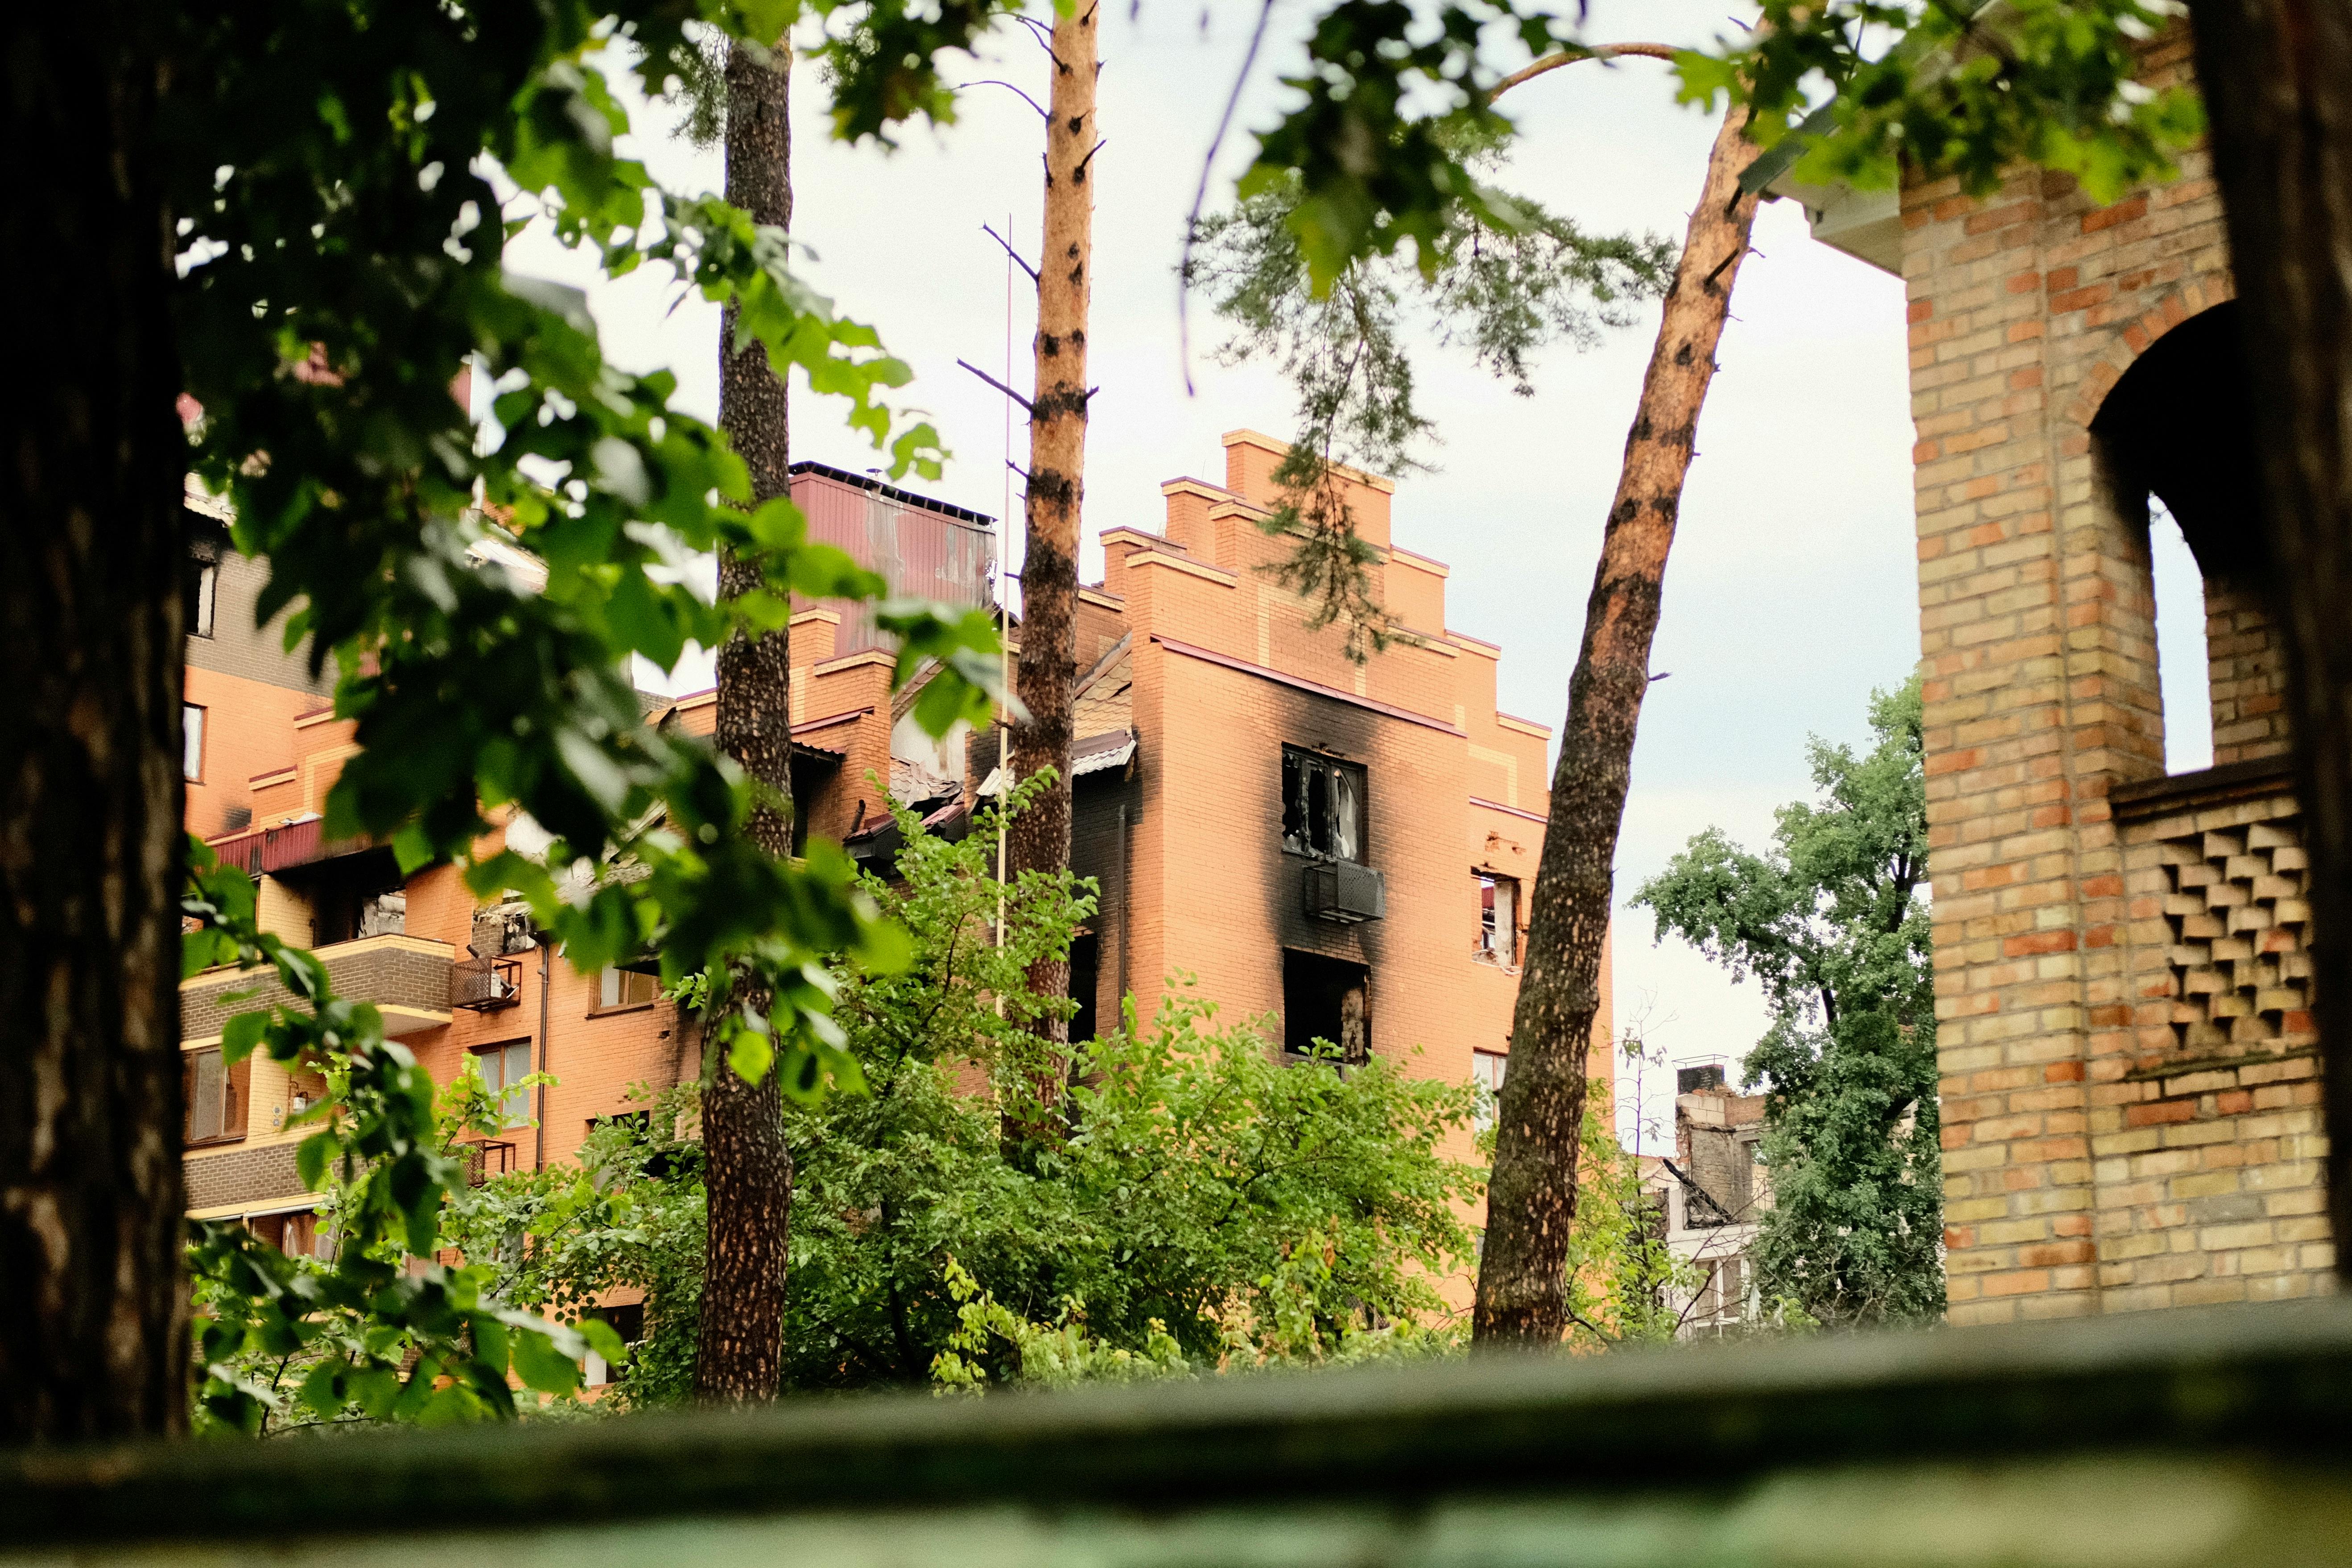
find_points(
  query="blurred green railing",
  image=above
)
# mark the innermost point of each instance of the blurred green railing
(2220, 1436)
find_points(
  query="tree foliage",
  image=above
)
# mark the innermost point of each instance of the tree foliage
(1968, 89)
(329, 168)
(1502, 279)
(284, 1342)
(1832, 924)
(1205, 1195)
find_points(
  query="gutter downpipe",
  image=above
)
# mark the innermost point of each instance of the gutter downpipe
(539, 1145)
(1125, 918)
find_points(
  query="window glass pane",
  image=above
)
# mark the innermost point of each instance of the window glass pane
(1318, 809)
(1507, 920)
(192, 739)
(609, 995)
(207, 1092)
(1486, 1070)
(518, 1068)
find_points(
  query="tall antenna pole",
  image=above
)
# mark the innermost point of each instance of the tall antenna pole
(1004, 606)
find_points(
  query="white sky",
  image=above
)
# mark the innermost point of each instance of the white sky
(1792, 591)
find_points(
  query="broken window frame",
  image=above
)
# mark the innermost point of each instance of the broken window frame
(1498, 919)
(1326, 807)
(1315, 989)
(1487, 1071)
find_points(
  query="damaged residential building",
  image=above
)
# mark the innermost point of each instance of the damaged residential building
(1712, 1193)
(453, 980)
(1341, 848)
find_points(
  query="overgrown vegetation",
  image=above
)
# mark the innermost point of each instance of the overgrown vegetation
(1832, 922)
(1178, 1196)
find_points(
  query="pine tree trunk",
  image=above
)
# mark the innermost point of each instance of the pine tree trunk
(1057, 460)
(93, 1295)
(749, 1171)
(1531, 1199)
(2278, 80)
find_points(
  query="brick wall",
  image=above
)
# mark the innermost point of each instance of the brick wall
(2247, 670)
(2094, 1159)
(246, 1176)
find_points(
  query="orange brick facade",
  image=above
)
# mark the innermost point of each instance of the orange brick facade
(2130, 1103)
(1206, 673)
(1222, 673)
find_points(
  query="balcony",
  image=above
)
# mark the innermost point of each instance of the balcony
(1345, 894)
(484, 1161)
(409, 978)
(486, 984)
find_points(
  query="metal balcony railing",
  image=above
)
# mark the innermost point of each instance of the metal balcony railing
(486, 1160)
(486, 984)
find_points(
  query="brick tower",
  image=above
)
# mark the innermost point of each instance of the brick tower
(2130, 1094)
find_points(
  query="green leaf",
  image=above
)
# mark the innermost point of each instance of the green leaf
(542, 1366)
(750, 1053)
(312, 1158)
(605, 1340)
(322, 1391)
(241, 1035)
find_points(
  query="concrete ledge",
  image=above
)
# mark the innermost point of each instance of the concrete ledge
(2220, 1435)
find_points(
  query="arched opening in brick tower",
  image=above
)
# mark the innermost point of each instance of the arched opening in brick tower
(2176, 435)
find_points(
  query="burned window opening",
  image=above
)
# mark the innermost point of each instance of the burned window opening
(1498, 919)
(1327, 1008)
(1323, 805)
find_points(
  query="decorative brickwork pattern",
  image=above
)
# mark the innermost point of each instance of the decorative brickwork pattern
(2240, 965)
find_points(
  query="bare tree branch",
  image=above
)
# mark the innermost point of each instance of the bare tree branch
(1017, 261)
(999, 386)
(1570, 57)
(1200, 195)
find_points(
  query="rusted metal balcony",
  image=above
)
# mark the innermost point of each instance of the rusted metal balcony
(486, 984)
(486, 1160)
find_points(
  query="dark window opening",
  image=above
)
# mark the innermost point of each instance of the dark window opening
(1326, 1007)
(352, 896)
(629, 1323)
(1323, 805)
(213, 1097)
(1085, 979)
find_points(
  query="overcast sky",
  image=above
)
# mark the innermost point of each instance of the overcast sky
(1791, 594)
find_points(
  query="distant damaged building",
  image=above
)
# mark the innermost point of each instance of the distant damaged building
(1714, 1191)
